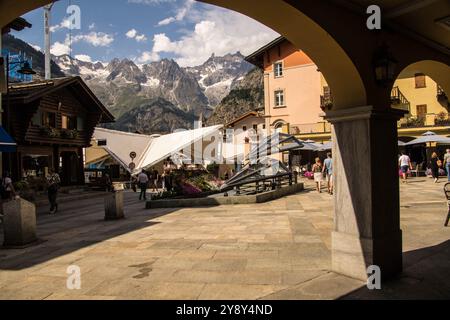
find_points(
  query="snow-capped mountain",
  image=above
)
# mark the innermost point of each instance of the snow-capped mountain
(218, 75)
(156, 90)
(195, 89)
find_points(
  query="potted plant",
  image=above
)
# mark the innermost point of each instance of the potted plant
(69, 134)
(49, 132)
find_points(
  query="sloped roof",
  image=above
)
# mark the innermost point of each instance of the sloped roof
(244, 116)
(120, 144)
(31, 91)
(164, 146)
(257, 57)
(150, 150)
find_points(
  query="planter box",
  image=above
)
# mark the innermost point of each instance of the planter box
(19, 223)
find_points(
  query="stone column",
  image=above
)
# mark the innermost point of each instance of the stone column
(367, 205)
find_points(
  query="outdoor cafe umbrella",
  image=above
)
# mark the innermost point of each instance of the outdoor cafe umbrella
(428, 137)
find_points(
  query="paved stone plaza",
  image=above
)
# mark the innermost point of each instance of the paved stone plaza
(276, 250)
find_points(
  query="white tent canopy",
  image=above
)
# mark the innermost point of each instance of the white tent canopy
(164, 146)
(430, 137)
(149, 150)
(120, 144)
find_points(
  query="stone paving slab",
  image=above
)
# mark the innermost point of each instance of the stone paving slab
(274, 250)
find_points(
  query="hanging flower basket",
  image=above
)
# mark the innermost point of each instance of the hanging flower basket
(69, 134)
(49, 132)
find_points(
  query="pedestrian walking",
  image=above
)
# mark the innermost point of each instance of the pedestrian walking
(434, 166)
(7, 187)
(405, 164)
(143, 183)
(155, 179)
(447, 163)
(317, 169)
(53, 181)
(328, 171)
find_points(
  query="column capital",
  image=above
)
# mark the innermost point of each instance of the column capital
(362, 113)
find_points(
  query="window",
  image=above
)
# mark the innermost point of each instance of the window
(49, 119)
(279, 98)
(244, 128)
(69, 122)
(279, 127)
(421, 111)
(37, 118)
(255, 127)
(420, 80)
(102, 142)
(278, 69)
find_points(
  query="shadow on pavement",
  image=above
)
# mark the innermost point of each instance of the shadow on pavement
(79, 224)
(426, 275)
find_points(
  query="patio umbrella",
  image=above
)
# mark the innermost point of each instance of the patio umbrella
(429, 137)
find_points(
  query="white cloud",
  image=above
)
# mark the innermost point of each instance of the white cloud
(218, 31)
(83, 57)
(97, 39)
(133, 34)
(59, 49)
(180, 14)
(92, 26)
(65, 24)
(141, 38)
(148, 56)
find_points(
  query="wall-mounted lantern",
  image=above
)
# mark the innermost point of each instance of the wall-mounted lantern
(385, 66)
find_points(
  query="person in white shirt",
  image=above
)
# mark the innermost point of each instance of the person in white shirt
(143, 183)
(405, 164)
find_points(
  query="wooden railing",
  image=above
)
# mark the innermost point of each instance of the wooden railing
(399, 101)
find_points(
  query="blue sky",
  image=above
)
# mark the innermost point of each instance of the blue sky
(148, 30)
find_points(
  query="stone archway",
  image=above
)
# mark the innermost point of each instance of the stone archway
(367, 205)
(438, 71)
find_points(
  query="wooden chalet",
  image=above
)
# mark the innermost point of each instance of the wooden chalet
(51, 121)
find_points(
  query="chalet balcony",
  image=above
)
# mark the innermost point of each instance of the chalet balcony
(442, 97)
(399, 101)
(428, 120)
(310, 128)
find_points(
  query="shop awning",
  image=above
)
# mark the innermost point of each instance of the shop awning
(7, 144)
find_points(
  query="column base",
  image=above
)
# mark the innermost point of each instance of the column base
(352, 255)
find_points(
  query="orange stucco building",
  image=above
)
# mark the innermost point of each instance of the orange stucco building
(293, 87)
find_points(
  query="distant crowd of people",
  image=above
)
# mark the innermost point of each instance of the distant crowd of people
(321, 171)
(152, 179)
(435, 165)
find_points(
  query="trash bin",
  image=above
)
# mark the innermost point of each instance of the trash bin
(114, 203)
(19, 223)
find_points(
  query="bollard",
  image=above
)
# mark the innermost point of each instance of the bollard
(19, 223)
(114, 203)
